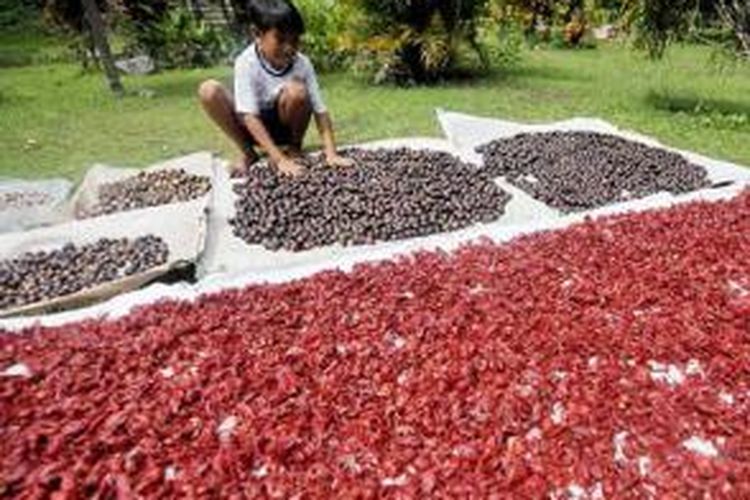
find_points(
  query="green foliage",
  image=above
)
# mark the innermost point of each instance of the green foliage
(18, 15)
(658, 22)
(68, 15)
(713, 35)
(181, 40)
(325, 40)
(144, 13)
(139, 22)
(417, 41)
(173, 37)
(562, 24)
(503, 41)
(604, 11)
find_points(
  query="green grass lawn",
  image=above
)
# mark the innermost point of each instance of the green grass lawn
(56, 121)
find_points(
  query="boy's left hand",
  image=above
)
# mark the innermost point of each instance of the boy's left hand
(337, 161)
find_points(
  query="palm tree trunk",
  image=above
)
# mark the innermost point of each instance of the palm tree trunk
(101, 44)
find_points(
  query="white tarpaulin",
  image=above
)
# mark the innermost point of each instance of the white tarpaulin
(183, 226)
(226, 253)
(53, 206)
(229, 262)
(466, 132)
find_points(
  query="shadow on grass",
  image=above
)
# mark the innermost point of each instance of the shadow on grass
(711, 112)
(510, 75)
(543, 73)
(735, 111)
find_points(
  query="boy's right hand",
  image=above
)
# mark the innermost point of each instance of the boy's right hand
(290, 167)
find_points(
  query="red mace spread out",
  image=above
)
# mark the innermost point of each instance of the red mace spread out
(610, 359)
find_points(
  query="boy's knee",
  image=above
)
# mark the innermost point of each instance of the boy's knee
(210, 91)
(296, 92)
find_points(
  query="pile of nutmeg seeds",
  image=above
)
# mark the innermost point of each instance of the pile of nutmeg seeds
(149, 189)
(575, 171)
(387, 195)
(36, 276)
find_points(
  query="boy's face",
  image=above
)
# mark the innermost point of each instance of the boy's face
(278, 48)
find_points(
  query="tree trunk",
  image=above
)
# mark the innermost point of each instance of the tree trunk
(101, 44)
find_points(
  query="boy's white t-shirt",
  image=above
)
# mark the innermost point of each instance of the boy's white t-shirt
(257, 84)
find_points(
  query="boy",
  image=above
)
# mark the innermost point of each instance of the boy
(275, 93)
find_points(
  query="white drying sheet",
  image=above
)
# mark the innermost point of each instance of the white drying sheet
(123, 304)
(230, 262)
(55, 209)
(226, 253)
(87, 195)
(466, 132)
(182, 226)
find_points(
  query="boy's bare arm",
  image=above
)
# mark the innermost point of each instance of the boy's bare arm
(325, 128)
(265, 141)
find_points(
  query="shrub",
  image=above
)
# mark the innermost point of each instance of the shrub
(562, 24)
(657, 22)
(16, 15)
(418, 41)
(181, 40)
(325, 41)
(138, 21)
(502, 39)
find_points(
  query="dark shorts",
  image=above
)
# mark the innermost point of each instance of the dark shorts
(280, 133)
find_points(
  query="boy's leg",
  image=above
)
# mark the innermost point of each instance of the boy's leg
(219, 106)
(295, 112)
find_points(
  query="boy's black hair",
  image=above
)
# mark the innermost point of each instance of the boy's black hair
(280, 14)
